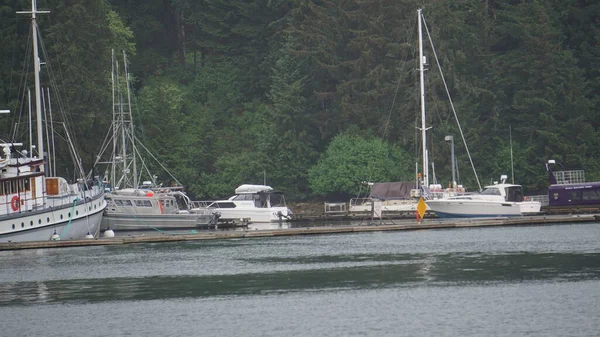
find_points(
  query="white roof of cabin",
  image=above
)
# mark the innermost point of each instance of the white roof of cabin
(248, 189)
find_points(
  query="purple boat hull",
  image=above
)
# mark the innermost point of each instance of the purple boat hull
(584, 194)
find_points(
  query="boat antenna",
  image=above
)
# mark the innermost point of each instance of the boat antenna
(512, 169)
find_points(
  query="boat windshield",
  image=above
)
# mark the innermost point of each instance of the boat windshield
(244, 196)
(491, 191)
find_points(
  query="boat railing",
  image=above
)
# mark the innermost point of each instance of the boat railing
(355, 202)
(200, 203)
(569, 177)
(360, 201)
(542, 199)
(335, 207)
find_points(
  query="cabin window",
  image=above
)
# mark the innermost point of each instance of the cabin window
(514, 193)
(277, 200)
(574, 196)
(2, 189)
(120, 202)
(223, 205)
(143, 203)
(26, 184)
(591, 195)
(260, 201)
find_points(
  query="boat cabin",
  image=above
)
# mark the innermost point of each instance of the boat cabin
(569, 188)
(260, 196)
(512, 193)
(138, 201)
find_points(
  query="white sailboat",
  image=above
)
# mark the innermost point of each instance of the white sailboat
(34, 204)
(134, 204)
(497, 200)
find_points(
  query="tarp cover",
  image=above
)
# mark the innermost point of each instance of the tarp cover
(392, 190)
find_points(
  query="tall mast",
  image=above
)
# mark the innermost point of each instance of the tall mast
(113, 171)
(423, 124)
(136, 183)
(125, 177)
(36, 66)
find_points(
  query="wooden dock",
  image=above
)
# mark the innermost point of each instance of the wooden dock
(377, 226)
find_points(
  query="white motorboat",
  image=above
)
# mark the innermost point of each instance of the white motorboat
(253, 203)
(36, 205)
(497, 200)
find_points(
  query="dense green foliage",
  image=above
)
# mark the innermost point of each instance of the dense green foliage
(312, 97)
(350, 158)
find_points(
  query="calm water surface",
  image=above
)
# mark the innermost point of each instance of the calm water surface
(509, 281)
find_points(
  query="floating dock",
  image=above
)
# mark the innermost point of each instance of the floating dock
(375, 226)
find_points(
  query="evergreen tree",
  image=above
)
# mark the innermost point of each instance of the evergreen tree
(540, 88)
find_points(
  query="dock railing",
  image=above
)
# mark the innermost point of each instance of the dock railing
(335, 208)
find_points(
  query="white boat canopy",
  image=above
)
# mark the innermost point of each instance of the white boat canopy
(249, 189)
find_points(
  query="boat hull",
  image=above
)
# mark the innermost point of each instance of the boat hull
(156, 221)
(273, 214)
(473, 209)
(40, 226)
(530, 207)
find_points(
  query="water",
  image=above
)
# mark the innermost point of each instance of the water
(506, 281)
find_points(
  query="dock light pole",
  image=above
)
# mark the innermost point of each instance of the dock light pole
(450, 139)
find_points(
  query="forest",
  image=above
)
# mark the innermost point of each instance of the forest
(314, 97)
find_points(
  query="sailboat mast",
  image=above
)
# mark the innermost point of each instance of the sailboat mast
(125, 176)
(423, 124)
(113, 169)
(512, 167)
(36, 66)
(136, 182)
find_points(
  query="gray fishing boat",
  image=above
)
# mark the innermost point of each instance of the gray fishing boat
(133, 203)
